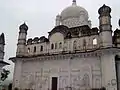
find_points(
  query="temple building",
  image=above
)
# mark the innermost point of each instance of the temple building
(74, 56)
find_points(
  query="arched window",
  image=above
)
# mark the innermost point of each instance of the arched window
(52, 46)
(28, 50)
(60, 45)
(41, 48)
(94, 41)
(35, 49)
(75, 45)
(55, 45)
(84, 43)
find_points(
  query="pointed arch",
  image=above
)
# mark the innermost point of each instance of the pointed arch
(94, 41)
(84, 43)
(28, 50)
(75, 45)
(60, 45)
(41, 48)
(55, 45)
(34, 49)
(52, 46)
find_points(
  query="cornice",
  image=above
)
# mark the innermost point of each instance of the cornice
(65, 56)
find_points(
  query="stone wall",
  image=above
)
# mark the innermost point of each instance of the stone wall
(71, 70)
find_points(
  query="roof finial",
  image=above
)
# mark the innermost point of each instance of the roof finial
(74, 2)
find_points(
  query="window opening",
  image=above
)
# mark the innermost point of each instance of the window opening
(41, 48)
(75, 45)
(60, 45)
(94, 41)
(52, 46)
(55, 45)
(28, 50)
(35, 49)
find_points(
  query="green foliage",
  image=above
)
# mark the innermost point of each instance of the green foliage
(4, 74)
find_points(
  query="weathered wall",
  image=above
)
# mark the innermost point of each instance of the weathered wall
(77, 72)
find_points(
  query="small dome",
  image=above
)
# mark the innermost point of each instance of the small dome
(117, 32)
(36, 39)
(29, 41)
(104, 9)
(73, 11)
(23, 26)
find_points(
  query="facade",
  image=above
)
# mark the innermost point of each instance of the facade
(75, 55)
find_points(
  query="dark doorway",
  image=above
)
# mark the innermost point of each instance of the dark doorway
(10, 86)
(54, 83)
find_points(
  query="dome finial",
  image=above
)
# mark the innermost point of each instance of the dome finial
(74, 2)
(23, 26)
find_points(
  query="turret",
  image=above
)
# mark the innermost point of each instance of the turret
(116, 36)
(22, 40)
(58, 20)
(2, 44)
(74, 2)
(105, 26)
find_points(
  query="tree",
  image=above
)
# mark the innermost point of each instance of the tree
(4, 74)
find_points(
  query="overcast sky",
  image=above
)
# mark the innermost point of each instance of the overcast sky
(40, 18)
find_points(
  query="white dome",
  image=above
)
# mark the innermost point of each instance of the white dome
(73, 16)
(73, 11)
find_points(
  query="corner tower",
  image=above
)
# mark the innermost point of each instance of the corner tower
(22, 40)
(2, 53)
(105, 26)
(2, 44)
